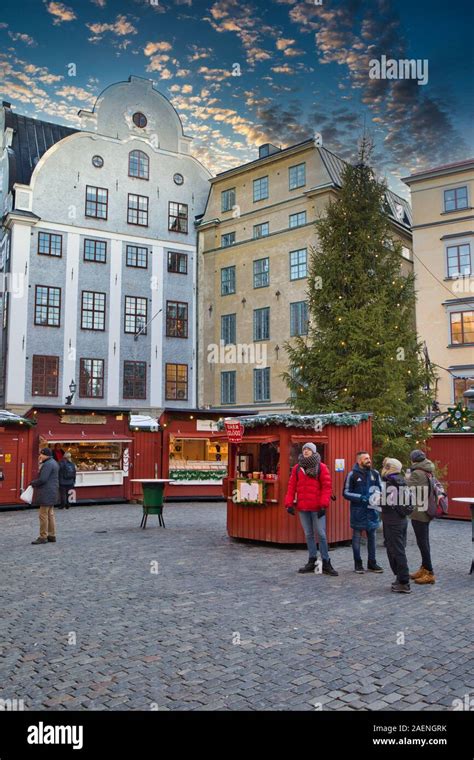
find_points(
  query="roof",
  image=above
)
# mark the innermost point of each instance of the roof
(442, 169)
(31, 139)
(313, 421)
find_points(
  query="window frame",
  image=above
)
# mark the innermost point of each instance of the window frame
(48, 307)
(138, 154)
(456, 207)
(45, 374)
(300, 319)
(232, 319)
(181, 256)
(461, 314)
(261, 224)
(225, 269)
(94, 310)
(459, 273)
(50, 235)
(176, 319)
(134, 395)
(127, 312)
(261, 311)
(296, 166)
(265, 370)
(297, 213)
(177, 217)
(254, 186)
(229, 374)
(137, 248)
(300, 277)
(91, 378)
(224, 193)
(260, 274)
(94, 260)
(97, 202)
(226, 235)
(176, 382)
(138, 210)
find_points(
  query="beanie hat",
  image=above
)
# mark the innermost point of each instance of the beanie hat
(46, 452)
(417, 455)
(310, 446)
(391, 466)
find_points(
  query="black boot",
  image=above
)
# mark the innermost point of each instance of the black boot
(328, 568)
(309, 567)
(358, 566)
(374, 568)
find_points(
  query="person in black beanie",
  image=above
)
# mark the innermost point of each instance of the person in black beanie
(46, 495)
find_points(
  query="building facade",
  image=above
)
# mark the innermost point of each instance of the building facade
(98, 256)
(254, 246)
(443, 245)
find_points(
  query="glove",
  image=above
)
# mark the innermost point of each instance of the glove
(321, 512)
(290, 510)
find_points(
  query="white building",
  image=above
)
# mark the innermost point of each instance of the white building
(98, 255)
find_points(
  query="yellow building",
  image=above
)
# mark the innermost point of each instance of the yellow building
(443, 245)
(254, 246)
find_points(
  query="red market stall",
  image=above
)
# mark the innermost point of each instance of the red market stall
(15, 456)
(259, 470)
(454, 452)
(100, 443)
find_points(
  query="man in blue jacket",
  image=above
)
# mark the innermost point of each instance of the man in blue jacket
(46, 494)
(362, 488)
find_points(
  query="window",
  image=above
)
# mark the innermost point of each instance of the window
(136, 256)
(455, 199)
(138, 164)
(298, 219)
(139, 119)
(50, 244)
(298, 318)
(298, 264)
(176, 382)
(228, 329)
(260, 189)
(91, 378)
(97, 161)
(297, 176)
(137, 210)
(228, 387)
(261, 323)
(47, 306)
(178, 217)
(93, 310)
(97, 199)
(227, 239)
(95, 250)
(462, 327)
(176, 319)
(461, 385)
(136, 310)
(227, 281)
(45, 375)
(459, 260)
(177, 262)
(228, 199)
(261, 273)
(261, 230)
(261, 384)
(134, 379)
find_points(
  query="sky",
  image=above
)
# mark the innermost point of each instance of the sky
(245, 72)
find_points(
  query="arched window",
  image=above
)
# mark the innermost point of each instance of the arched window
(138, 164)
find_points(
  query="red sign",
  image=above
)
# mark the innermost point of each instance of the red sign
(234, 430)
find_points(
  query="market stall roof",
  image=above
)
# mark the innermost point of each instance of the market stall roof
(10, 418)
(65, 437)
(346, 419)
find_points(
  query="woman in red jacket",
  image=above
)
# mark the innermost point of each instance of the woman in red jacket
(310, 481)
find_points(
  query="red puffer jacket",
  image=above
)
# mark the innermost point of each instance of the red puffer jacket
(311, 493)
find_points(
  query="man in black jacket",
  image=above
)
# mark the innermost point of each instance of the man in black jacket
(46, 492)
(396, 506)
(67, 479)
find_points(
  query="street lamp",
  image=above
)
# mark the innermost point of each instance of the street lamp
(72, 388)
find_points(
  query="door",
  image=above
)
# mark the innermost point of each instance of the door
(9, 468)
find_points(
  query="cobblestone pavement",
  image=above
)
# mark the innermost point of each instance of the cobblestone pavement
(113, 617)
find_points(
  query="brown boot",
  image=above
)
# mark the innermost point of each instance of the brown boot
(427, 577)
(418, 573)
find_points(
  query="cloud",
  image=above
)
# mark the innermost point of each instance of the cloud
(75, 93)
(234, 16)
(23, 38)
(199, 53)
(60, 12)
(121, 27)
(153, 47)
(100, 3)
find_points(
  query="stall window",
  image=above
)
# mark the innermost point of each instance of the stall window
(228, 385)
(134, 380)
(93, 310)
(228, 329)
(176, 382)
(176, 319)
(136, 310)
(47, 306)
(45, 375)
(261, 384)
(91, 379)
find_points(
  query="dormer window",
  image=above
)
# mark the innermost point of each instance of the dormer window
(138, 164)
(139, 119)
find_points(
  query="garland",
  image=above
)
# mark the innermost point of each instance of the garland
(197, 474)
(340, 419)
(9, 419)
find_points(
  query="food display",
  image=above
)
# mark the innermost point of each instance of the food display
(95, 456)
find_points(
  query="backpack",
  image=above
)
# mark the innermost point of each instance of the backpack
(437, 498)
(68, 471)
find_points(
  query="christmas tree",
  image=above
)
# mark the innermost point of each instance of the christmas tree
(361, 352)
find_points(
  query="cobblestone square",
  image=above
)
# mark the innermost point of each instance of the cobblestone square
(112, 617)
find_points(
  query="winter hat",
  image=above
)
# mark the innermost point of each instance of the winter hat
(310, 446)
(417, 455)
(67, 455)
(46, 452)
(391, 466)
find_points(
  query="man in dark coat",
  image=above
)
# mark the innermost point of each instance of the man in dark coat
(67, 479)
(46, 494)
(396, 506)
(362, 486)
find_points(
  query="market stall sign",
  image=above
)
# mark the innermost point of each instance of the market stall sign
(206, 425)
(83, 419)
(234, 430)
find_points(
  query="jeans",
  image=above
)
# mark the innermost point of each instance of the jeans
(47, 522)
(314, 526)
(395, 535)
(422, 535)
(356, 536)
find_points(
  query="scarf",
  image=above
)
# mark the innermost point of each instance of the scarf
(310, 465)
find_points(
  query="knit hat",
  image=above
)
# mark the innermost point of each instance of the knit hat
(46, 452)
(391, 466)
(417, 455)
(67, 455)
(310, 446)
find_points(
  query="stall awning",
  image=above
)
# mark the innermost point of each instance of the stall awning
(64, 438)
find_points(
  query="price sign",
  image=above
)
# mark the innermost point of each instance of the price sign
(234, 430)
